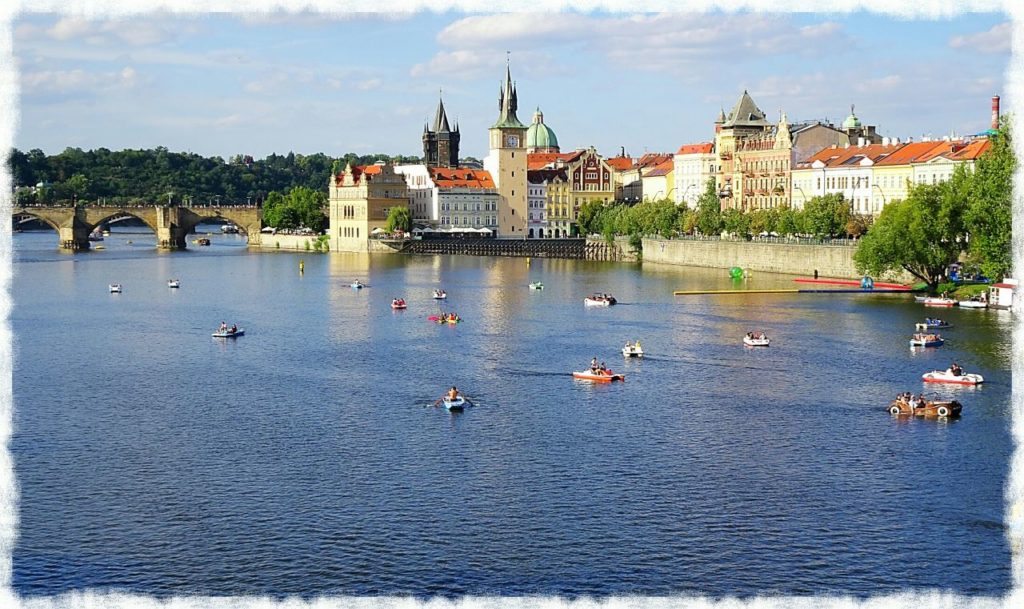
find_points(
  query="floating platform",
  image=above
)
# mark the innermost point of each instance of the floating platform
(892, 286)
(792, 291)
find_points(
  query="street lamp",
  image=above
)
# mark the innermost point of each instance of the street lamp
(881, 191)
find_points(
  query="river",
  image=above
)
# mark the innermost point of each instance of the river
(304, 458)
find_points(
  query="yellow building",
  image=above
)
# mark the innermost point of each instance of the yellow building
(360, 198)
(507, 164)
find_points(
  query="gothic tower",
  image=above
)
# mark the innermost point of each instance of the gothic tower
(441, 146)
(507, 162)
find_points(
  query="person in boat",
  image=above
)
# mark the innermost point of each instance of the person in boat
(629, 346)
(636, 345)
(453, 393)
(604, 369)
(223, 327)
(593, 366)
(956, 370)
(234, 328)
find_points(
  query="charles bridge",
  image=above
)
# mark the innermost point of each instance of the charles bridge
(171, 223)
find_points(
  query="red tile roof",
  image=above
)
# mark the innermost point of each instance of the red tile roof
(836, 157)
(652, 159)
(704, 148)
(620, 163)
(539, 160)
(910, 153)
(461, 178)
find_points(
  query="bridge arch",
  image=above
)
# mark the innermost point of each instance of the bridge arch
(42, 217)
(95, 221)
(199, 215)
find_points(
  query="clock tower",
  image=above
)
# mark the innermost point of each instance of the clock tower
(507, 163)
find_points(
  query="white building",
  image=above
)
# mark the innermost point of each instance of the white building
(694, 165)
(422, 193)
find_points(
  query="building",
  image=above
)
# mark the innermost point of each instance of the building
(553, 184)
(540, 137)
(422, 193)
(441, 145)
(467, 200)
(506, 163)
(657, 182)
(693, 166)
(623, 167)
(359, 199)
(756, 156)
(843, 170)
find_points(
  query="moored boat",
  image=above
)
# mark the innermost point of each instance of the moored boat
(599, 300)
(937, 301)
(926, 340)
(601, 376)
(972, 304)
(115, 288)
(756, 339)
(947, 376)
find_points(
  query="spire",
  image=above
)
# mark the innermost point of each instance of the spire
(441, 119)
(507, 103)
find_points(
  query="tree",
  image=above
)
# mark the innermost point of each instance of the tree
(789, 221)
(989, 215)
(589, 216)
(709, 210)
(827, 215)
(858, 224)
(922, 234)
(399, 218)
(736, 222)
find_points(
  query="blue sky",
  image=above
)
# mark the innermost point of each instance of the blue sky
(262, 83)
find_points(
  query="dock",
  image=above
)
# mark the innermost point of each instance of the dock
(793, 291)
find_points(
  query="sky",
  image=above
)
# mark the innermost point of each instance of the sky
(262, 83)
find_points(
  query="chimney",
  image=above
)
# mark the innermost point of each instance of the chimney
(885, 141)
(895, 141)
(995, 111)
(860, 142)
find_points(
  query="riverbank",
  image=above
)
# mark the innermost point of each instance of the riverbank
(833, 261)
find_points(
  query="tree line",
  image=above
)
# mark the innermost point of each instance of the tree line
(159, 175)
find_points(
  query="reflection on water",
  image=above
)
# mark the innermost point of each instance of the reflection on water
(303, 457)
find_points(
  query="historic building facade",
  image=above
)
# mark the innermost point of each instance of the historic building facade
(540, 137)
(441, 145)
(506, 163)
(694, 165)
(359, 199)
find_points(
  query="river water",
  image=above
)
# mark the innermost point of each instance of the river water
(303, 458)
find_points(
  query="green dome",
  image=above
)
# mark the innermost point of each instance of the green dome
(851, 122)
(540, 135)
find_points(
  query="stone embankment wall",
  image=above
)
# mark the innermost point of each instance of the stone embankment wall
(834, 261)
(578, 249)
(300, 243)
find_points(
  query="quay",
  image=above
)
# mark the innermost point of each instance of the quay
(793, 291)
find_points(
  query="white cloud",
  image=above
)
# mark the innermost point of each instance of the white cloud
(368, 84)
(62, 82)
(880, 85)
(674, 42)
(134, 32)
(994, 40)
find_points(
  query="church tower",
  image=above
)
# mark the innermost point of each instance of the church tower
(441, 146)
(506, 163)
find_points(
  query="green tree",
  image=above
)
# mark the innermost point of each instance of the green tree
(589, 216)
(709, 210)
(989, 215)
(922, 234)
(789, 221)
(399, 218)
(736, 222)
(827, 215)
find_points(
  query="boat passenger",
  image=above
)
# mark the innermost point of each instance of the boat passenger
(604, 369)
(234, 328)
(628, 346)
(593, 366)
(956, 370)
(223, 327)
(453, 393)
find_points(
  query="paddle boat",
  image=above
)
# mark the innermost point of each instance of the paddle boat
(357, 285)
(398, 303)
(440, 294)
(96, 235)
(756, 339)
(938, 301)
(232, 332)
(446, 318)
(174, 283)
(632, 350)
(536, 286)
(903, 406)
(599, 300)
(229, 229)
(926, 340)
(600, 376)
(455, 405)
(202, 241)
(115, 288)
(932, 324)
(958, 377)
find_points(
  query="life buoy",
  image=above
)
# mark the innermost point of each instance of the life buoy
(894, 409)
(942, 411)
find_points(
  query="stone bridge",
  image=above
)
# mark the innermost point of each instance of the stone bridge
(172, 224)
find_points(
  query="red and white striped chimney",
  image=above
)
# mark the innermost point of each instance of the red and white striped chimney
(995, 111)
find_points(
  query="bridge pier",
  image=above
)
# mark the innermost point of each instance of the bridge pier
(170, 235)
(75, 237)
